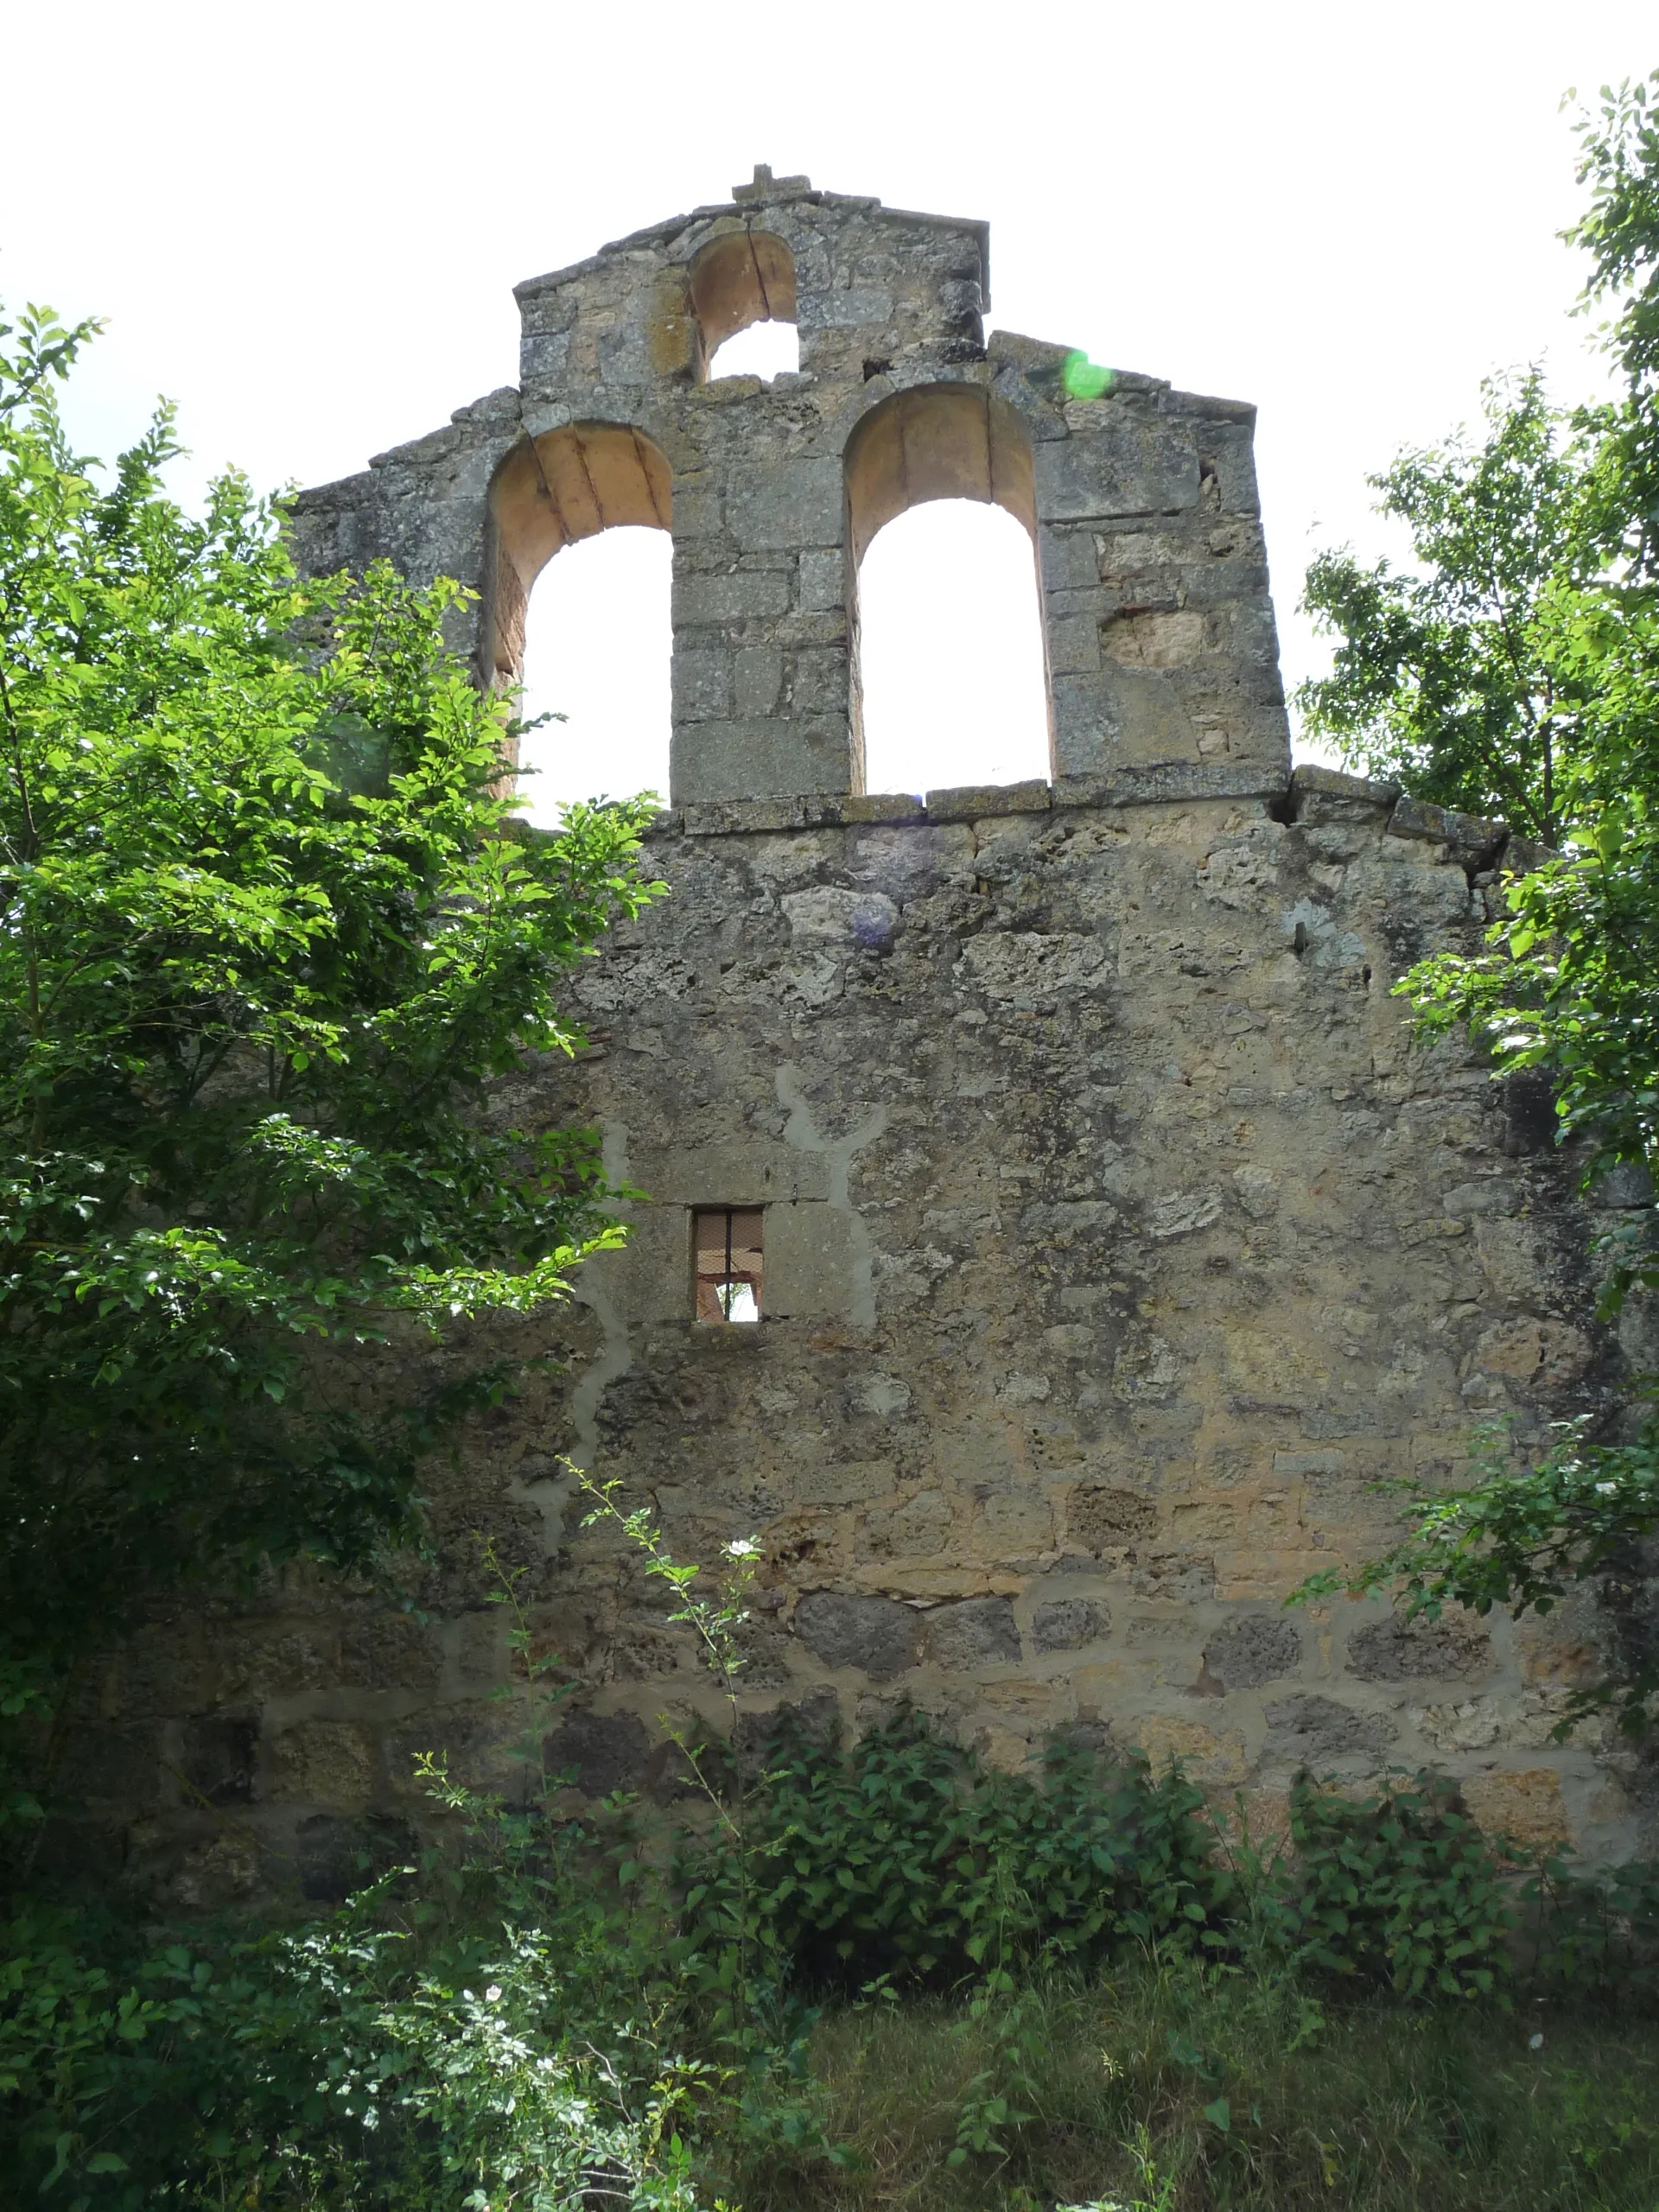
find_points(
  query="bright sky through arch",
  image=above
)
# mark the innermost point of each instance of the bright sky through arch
(951, 648)
(596, 651)
(1346, 216)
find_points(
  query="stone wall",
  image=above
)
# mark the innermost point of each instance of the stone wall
(1117, 1242)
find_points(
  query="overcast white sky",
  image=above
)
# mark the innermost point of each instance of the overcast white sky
(303, 225)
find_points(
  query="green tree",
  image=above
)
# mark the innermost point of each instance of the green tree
(1452, 679)
(1619, 162)
(1568, 981)
(268, 933)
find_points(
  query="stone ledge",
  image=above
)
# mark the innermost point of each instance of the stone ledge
(1138, 786)
(1472, 836)
(1328, 795)
(730, 818)
(1154, 785)
(976, 802)
(899, 807)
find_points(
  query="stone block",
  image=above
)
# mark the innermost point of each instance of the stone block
(781, 506)
(112, 1765)
(1152, 639)
(817, 1264)
(1129, 464)
(1258, 1648)
(730, 1171)
(1111, 1520)
(389, 1652)
(759, 758)
(217, 1759)
(1524, 1805)
(818, 682)
(823, 582)
(1398, 1650)
(1473, 837)
(1625, 1187)
(1012, 1523)
(701, 684)
(1309, 1729)
(984, 802)
(847, 921)
(876, 1636)
(1068, 558)
(1331, 795)
(757, 680)
(850, 1482)
(1538, 1353)
(975, 1633)
(921, 1528)
(333, 1856)
(1210, 1756)
(1074, 642)
(891, 807)
(1163, 784)
(602, 1752)
(1520, 855)
(1068, 1624)
(704, 600)
(324, 1762)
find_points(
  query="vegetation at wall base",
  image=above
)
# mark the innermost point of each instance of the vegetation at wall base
(545, 2012)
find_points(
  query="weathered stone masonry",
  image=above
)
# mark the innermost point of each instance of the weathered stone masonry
(1116, 1240)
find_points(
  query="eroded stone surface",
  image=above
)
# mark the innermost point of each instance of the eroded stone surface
(1255, 1648)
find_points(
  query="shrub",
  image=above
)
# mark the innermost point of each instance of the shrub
(1400, 1886)
(905, 1857)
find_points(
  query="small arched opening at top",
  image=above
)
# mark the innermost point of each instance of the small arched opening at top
(593, 643)
(743, 289)
(950, 679)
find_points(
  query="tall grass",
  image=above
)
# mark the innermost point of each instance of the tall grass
(1243, 2092)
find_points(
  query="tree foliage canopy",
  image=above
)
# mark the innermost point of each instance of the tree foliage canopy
(1453, 679)
(269, 932)
(1518, 674)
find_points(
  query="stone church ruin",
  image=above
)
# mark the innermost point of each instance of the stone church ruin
(1051, 1235)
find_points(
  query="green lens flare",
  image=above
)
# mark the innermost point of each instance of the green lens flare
(1084, 378)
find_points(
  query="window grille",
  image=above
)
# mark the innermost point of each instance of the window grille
(727, 1243)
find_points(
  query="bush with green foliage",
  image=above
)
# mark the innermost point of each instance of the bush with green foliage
(544, 2012)
(269, 931)
(1399, 1886)
(547, 2010)
(907, 1858)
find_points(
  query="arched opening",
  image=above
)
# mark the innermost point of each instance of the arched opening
(951, 650)
(763, 349)
(742, 292)
(595, 646)
(950, 683)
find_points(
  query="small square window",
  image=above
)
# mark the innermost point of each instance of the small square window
(727, 1243)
